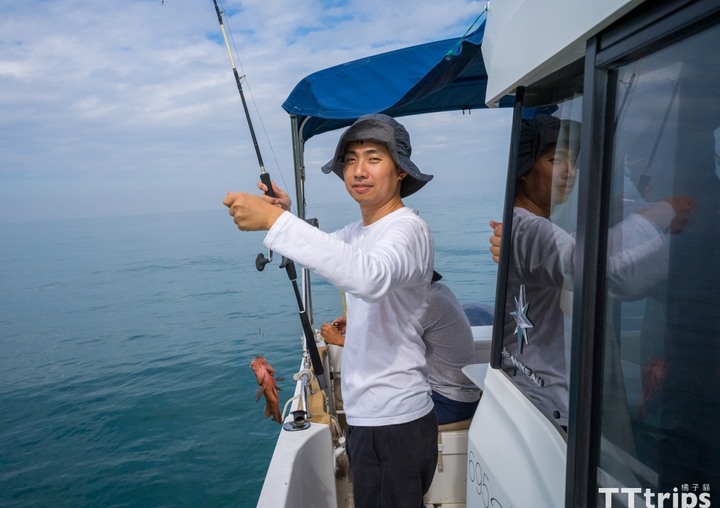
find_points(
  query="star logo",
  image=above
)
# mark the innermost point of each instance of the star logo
(521, 319)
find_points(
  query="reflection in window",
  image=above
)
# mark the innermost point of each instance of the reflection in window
(536, 336)
(661, 403)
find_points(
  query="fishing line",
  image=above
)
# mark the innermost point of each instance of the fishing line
(249, 90)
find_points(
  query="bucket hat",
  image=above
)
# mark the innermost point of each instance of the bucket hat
(386, 130)
(540, 133)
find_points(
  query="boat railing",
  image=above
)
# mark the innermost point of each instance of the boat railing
(299, 411)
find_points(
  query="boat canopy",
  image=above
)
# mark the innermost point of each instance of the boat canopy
(447, 75)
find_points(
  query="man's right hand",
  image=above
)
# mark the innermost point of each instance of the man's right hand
(495, 240)
(250, 212)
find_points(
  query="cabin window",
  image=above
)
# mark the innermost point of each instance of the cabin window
(537, 314)
(660, 404)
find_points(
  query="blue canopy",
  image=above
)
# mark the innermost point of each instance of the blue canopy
(438, 76)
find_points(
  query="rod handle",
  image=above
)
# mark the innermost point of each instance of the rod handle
(265, 178)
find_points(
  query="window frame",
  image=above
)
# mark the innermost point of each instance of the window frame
(649, 28)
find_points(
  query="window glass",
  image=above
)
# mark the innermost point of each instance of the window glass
(536, 334)
(661, 367)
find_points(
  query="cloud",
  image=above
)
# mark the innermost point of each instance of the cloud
(130, 107)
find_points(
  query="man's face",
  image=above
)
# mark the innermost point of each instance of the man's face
(370, 174)
(552, 177)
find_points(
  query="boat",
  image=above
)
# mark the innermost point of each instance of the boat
(642, 355)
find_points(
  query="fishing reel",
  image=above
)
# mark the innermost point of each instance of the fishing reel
(261, 261)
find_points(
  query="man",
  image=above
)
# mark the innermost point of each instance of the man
(383, 263)
(449, 347)
(536, 344)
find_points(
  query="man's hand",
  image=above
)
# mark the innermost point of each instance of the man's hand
(331, 335)
(281, 198)
(683, 206)
(340, 323)
(250, 212)
(657, 213)
(334, 333)
(495, 240)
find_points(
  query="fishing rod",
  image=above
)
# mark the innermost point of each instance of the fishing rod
(264, 175)
(644, 179)
(308, 332)
(261, 260)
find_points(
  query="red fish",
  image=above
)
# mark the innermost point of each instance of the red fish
(265, 376)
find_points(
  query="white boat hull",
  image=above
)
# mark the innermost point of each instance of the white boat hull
(301, 473)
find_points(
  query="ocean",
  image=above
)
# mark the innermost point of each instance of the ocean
(125, 346)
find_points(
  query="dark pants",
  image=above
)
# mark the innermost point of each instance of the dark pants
(393, 465)
(448, 410)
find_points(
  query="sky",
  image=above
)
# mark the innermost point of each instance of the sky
(127, 107)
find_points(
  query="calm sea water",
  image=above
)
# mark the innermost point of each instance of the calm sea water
(125, 346)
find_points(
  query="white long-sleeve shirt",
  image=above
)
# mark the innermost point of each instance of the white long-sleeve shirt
(385, 270)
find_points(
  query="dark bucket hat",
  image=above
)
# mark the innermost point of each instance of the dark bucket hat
(540, 133)
(386, 130)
